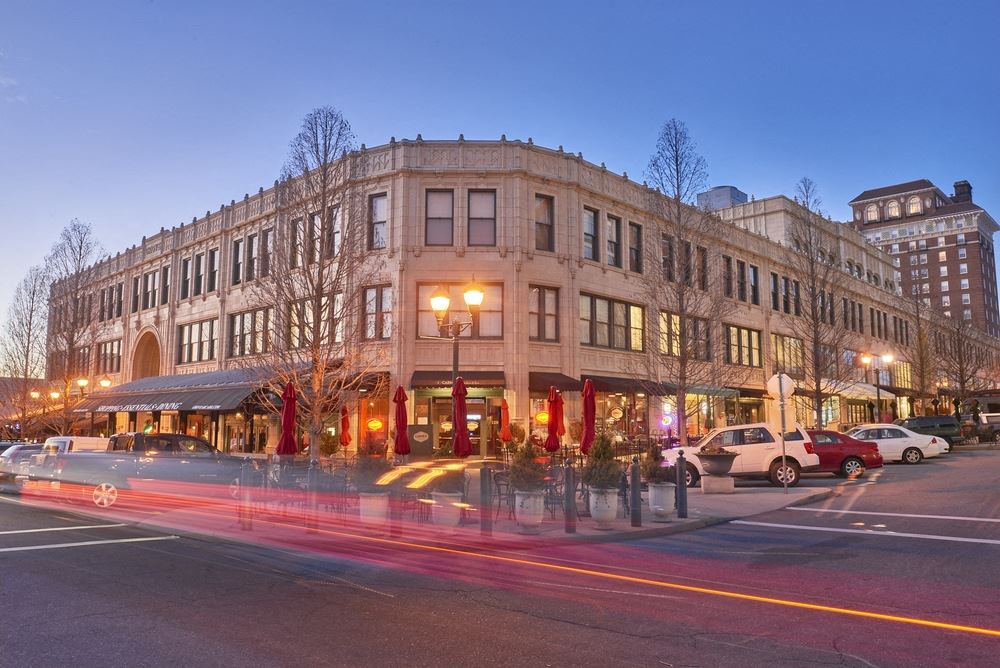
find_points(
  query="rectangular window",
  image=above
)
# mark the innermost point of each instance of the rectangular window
(613, 234)
(378, 221)
(109, 357)
(196, 341)
(741, 280)
(591, 238)
(786, 295)
(185, 278)
(787, 353)
(149, 289)
(612, 324)
(742, 346)
(697, 341)
(265, 253)
(943, 270)
(482, 218)
(871, 320)
(775, 293)
(237, 258)
(667, 248)
(702, 267)
(944, 286)
(727, 276)
(135, 294)
(960, 239)
(797, 297)
(635, 247)
(378, 312)
(962, 254)
(199, 269)
(253, 256)
(119, 299)
(543, 313)
(213, 270)
(251, 332)
(963, 268)
(439, 224)
(754, 285)
(331, 234)
(309, 320)
(164, 285)
(297, 248)
(964, 284)
(545, 234)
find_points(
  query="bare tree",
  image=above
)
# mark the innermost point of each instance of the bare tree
(813, 257)
(316, 277)
(924, 362)
(964, 357)
(681, 282)
(22, 349)
(72, 312)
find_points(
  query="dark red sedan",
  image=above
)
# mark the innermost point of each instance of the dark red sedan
(845, 456)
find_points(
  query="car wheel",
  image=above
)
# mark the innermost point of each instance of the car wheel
(104, 494)
(852, 468)
(691, 475)
(234, 489)
(912, 456)
(789, 473)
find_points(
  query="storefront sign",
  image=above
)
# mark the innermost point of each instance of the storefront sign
(138, 408)
(617, 413)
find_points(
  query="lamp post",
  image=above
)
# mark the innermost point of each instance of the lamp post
(104, 382)
(867, 360)
(453, 328)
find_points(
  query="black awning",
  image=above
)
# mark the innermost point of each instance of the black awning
(443, 379)
(630, 385)
(207, 399)
(541, 381)
(750, 392)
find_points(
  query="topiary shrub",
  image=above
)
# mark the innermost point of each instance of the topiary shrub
(652, 467)
(527, 472)
(602, 470)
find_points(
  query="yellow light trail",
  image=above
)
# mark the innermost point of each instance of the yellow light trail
(866, 614)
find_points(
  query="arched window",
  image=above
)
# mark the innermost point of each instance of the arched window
(892, 209)
(871, 213)
(913, 207)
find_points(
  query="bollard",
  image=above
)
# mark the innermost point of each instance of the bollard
(485, 501)
(396, 510)
(244, 504)
(569, 485)
(312, 497)
(681, 489)
(635, 490)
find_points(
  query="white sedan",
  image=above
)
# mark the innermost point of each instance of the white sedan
(899, 444)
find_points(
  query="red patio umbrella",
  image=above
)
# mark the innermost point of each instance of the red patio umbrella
(345, 426)
(460, 421)
(589, 415)
(287, 444)
(505, 434)
(552, 443)
(401, 444)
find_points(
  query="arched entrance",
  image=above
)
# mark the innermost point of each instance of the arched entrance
(146, 359)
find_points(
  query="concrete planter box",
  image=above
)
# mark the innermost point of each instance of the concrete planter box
(604, 507)
(661, 501)
(529, 509)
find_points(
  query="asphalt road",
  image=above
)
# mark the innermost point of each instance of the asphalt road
(793, 587)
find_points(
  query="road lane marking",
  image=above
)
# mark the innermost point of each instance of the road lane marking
(86, 543)
(74, 528)
(926, 517)
(868, 532)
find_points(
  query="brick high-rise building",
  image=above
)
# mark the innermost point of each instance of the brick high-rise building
(941, 245)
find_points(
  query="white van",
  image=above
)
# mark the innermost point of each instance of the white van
(43, 464)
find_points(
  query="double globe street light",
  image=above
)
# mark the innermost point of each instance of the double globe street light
(452, 328)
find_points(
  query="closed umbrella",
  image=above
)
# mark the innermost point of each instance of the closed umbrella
(401, 444)
(552, 443)
(345, 426)
(589, 416)
(505, 434)
(460, 421)
(287, 444)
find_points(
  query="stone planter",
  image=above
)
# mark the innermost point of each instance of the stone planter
(444, 512)
(716, 464)
(604, 507)
(374, 507)
(661, 501)
(529, 509)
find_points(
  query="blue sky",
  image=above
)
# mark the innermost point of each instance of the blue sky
(137, 115)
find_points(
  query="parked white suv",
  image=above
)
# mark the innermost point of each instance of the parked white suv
(759, 449)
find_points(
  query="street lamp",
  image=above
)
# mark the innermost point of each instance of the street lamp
(104, 382)
(867, 360)
(54, 395)
(82, 383)
(441, 302)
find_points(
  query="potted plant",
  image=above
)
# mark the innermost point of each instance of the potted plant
(527, 477)
(715, 459)
(661, 480)
(602, 475)
(373, 498)
(447, 495)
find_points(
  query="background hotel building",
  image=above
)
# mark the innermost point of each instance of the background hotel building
(562, 247)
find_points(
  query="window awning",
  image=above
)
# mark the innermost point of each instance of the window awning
(438, 379)
(861, 391)
(628, 385)
(541, 381)
(211, 391)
